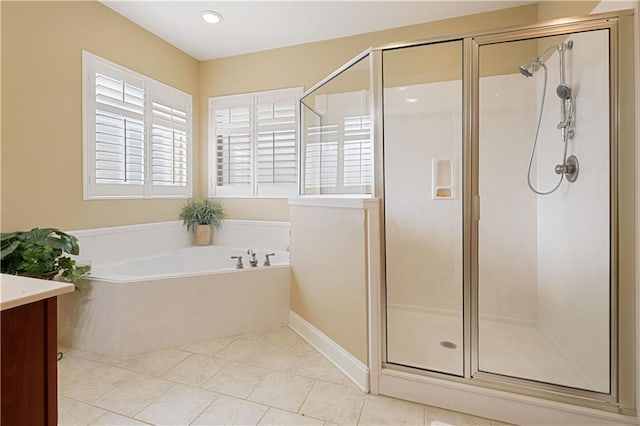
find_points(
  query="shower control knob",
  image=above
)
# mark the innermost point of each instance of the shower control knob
(569, 169)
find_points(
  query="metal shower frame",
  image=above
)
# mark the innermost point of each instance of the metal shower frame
(621, 399)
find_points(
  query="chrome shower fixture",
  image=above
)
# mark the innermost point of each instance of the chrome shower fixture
(570, 167)
(526, 70)
(529, 69)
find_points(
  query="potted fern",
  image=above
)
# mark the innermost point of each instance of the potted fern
(201, 216)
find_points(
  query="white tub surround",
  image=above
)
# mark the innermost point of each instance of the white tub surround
(151, 289)
(114, 244)
(123, 318)
(185, 262)
(17, 291)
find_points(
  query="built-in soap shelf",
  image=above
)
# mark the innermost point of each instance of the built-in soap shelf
(442, 179)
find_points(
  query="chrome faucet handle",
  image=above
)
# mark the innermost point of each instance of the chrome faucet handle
(267, 261)
(239, 264)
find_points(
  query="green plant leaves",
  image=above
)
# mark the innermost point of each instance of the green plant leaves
(39, 253)
(10, 248)
(205, 212)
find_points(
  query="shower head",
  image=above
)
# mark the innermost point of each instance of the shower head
(529, 69)
(526, 70)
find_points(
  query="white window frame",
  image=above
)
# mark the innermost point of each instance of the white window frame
(275, 190)
(154, 91)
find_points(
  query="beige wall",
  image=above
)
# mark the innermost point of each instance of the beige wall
(328, 287)
(562, 9)
(42, 41)
(306, 64)
(42, 45)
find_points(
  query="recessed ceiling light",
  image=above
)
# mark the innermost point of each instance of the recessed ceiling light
(210, 16)
(412, 100)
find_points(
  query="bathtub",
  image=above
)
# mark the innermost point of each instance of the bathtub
(174, 298)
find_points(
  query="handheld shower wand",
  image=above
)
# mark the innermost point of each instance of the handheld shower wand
(569, 166)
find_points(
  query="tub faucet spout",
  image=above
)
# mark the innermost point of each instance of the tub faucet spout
(239, 264)
(253, 260)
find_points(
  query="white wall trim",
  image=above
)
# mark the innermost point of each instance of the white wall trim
(336, 354)
(374, 281)
(124, 228)
(335, 202)
(107, 245)
(168, 224)
(267, 223)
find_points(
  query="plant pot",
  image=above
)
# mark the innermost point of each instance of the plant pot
(203, 235)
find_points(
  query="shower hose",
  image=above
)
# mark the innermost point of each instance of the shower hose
(535, 143)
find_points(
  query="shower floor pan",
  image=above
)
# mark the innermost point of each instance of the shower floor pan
(419, 338)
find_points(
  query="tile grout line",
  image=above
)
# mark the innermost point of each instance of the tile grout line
(205, 408)
(364, 400)
(106, 411)
(313, 385)
(263, 415)
(154, 400)
(94, 404)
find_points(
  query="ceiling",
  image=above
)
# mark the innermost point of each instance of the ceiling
(251, 26)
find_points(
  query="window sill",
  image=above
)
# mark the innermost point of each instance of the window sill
(253, 197)
(344, 202)
(135, 197)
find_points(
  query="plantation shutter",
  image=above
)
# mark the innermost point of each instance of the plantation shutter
(276, 145)
(233, 149)
(254, 144)
(169, 148)
(358, 155)
(136, 134)
(119, 131)
(321, 159)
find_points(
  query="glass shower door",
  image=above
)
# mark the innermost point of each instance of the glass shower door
(544, 229)
(423, 206)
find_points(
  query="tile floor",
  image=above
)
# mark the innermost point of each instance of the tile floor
(270, 378)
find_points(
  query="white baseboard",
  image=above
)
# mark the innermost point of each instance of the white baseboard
(355, 370)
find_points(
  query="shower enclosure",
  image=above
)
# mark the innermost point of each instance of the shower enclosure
(497, 162)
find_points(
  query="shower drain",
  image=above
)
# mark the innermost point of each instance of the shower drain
(447, 344)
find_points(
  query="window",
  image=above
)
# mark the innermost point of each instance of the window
(337, 134)
(337, 145)
(254, 144)
(137, 134)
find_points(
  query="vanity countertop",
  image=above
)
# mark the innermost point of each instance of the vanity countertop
(18, 291)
